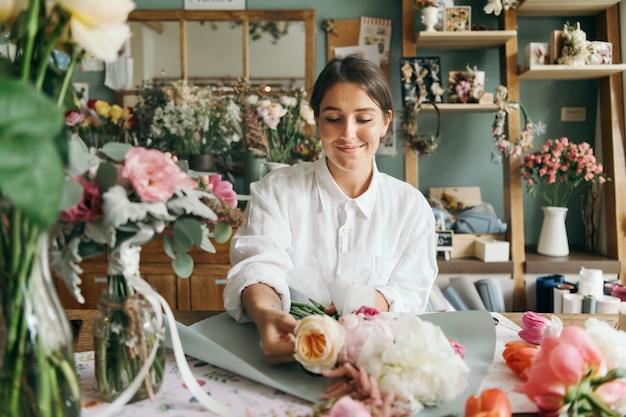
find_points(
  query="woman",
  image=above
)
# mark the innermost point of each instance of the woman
(337, 230)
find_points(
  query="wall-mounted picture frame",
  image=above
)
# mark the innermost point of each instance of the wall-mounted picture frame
(421, 75)
(457, 19)
(442, 4)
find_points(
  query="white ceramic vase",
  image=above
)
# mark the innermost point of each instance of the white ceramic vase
(430, 17)
(553, 235)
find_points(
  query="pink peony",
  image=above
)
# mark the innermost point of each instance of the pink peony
(347, 407)
(358, 327)
(90, 205)
(153, 175)
(223, 190)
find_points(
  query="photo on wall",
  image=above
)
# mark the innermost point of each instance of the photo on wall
(421, 76)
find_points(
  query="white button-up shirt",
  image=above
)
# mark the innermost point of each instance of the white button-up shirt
(302, 230)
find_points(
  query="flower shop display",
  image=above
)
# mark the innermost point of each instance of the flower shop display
(554, 172)
(496, 6)
(37, 372)
(129, 195)
(185, 119)
(390, 364)
(579, 372)
(504, 147)
(98, 122)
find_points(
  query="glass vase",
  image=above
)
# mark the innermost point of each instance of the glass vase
(126, 329)
(37, 369)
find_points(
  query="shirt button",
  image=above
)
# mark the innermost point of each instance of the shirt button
(345, 229)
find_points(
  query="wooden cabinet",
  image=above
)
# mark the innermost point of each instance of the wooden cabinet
(611, 120)
(202, 291)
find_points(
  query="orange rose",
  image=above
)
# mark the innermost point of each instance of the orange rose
(490, 403)
(319, 338)
(518, 357)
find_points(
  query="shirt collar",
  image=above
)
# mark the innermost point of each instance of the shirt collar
(331, 195)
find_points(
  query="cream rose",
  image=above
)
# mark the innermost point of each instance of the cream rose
(319, 338)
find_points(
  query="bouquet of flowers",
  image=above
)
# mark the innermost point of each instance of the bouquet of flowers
(496, 6)
(558, 168)
(36, 358)
(390, 365)
(573, 372)
(275, 126)
(99, 122)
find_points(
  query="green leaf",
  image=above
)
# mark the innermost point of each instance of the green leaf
(187, 232)
(31, 167)
(106, 176)
(167, 246)
(183, 265)
(222, 232)
(116, 150)
(206, 244)
(72, 194)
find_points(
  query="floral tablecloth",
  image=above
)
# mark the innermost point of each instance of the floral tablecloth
(174, 400)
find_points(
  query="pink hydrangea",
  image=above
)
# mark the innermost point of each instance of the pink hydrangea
(153, 175)
(90, 205)
(223, 190)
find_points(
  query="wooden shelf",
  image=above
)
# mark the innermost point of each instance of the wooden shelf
(473, 266)
(564, 7)
(569, 72)
(571, 264)
(461, 108)
(475, 39)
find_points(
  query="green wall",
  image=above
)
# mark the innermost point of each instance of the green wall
(463, 158)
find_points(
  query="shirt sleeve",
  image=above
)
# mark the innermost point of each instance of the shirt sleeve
(259, 252)
(416, 269)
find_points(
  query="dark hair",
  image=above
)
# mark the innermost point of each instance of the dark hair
(353, 68)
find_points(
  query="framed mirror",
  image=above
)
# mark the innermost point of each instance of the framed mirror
(274, 47)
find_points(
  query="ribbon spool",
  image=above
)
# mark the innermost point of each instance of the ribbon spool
(423, 143)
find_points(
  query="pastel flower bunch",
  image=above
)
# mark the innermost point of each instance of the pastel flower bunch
(496, 6)
(276, 125)
(579, 372)
(504, 147)
(390, 365)
(131, 194)
(558, 168)
(98, 122)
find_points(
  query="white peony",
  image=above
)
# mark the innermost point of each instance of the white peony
(419, 365)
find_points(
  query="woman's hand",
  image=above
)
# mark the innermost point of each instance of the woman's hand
(275, 326)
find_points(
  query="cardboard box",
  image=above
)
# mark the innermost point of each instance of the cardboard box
(464, 243)
(491, 250)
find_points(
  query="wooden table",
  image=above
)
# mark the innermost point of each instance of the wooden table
(85, 337)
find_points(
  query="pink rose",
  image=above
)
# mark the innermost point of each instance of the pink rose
(73, 117)
(153, 175)
(90, 205)
(347, 407)
(223, 190)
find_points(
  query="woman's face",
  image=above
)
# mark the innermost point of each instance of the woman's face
(350, 125)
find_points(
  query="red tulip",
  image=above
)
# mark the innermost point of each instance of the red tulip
(561, 363)
(490, 403)
(518, 357)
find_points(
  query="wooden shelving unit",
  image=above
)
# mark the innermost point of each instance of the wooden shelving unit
(461, 108)
(564, 7)
(526, 260)
(463, 40)
(569, 72)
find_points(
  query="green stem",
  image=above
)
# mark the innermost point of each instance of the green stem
(47, 51)
(31, 34)
(76, 53)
